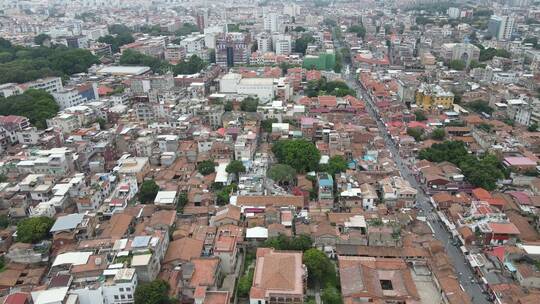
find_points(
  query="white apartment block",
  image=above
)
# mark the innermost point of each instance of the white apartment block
(282, 44)
(193, 45)
(49, 84)
(271, 22)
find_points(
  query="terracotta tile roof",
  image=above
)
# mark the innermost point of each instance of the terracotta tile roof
(276, 200)
(183, 250)
(117, 226)
(205, 270)
(278, 272)
(361, 276)
(503, 228)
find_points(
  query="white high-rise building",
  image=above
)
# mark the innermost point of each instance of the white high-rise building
(501, 27)
(271, 22)
(282, 44)
(291, 9)
(264, 43)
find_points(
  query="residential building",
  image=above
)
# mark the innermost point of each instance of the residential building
(280, 277)
(501, 27)
(431, 96)
(232, 49)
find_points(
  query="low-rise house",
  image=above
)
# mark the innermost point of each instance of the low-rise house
(183, 250)
(226, 245)
(368, 279)
(279, 277)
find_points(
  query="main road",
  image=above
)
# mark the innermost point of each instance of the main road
(465, 275)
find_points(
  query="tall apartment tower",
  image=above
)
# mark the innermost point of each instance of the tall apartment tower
(232, 48)
(501, 27)
(271, 22)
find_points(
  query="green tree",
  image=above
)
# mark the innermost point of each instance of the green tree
(533, 127)
(359, 30)
(476, 64)
(300, 154)
(331, 295)
(119, 29)
(36, 105)
(148, 191)
(186, 29)
(41, 39)
(438, 134)
(282, 174)
(182, 201)
(417, 133)
(206, 167)
(191, 66)
(266, 125)
(249, 104)
(4, 221)
(244, 284)
(117, 41)
(336, 164)
(283, 242)
(420, 115)
(228, 106)
(480, 106)
(34, 229)
(301, 43)
(481, 172)
(320, 269)
(235, 167)
(223, 196)
(155, 292)
(131, 57)
(457, 64)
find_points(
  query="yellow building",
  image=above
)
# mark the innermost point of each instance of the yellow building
(429, 96)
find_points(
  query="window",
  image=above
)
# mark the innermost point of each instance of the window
(121, 289)
(122, 297)
(129, 296)
(116, 297)
(128, 288)
(386, 285)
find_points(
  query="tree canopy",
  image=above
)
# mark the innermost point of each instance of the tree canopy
(34, 229)
(359, 30)
(155, 292)
(131, 57)
(322, 87)
(438, 134)
(20, 64)
(480, 106)
(36, 105)
(420, 115)
(457, 64)
(417, 133)
(300, 154)
(320, 269)
(489, 53)
(301, 43)
(249, 104)
(283, 242)
(148, 191)
(282, 173)
(235, 167)
(336, 164)
(206, 167)
(41, 39)
(481, 172)
(117, 41)
(191, 66)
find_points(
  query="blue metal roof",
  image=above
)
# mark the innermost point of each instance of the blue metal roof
(140, 241)
(67, 222)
